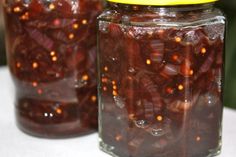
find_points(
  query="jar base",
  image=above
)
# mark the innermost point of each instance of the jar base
(38, 118)
(111, 149)
(58, 130)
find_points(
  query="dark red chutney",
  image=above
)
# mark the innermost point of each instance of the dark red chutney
(161, 75)
(51, 47)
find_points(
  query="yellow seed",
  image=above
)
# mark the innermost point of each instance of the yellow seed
(59, 111)
(105, 68)
(180, 87)
(18, 64)
(148, 62)
(25, 16)
(104, 88)
(94, 98)
(191, 72)
(75, 26)
(131, 116)
(135, 7)
(34, 84)
(203, 50)
(178, 39)
(159, 118)
(17, 9)
(52, 6)
(71, 36)
(53, 53)
(118, 137)
(114, 93)
(35, 65)
(198, 138)
(85, 77)
(114, 87)
(54, 58)
(84, 22)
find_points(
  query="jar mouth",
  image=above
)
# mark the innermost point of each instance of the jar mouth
(163, 2)
(208, 7)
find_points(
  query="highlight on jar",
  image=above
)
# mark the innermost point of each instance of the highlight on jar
(51, 49)
(161, 70)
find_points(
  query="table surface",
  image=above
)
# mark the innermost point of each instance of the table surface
(14, 143)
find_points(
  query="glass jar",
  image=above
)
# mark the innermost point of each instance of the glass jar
(51, 48)
(160, 78)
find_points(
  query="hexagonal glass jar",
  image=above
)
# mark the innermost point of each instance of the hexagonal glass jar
(51, 48)
(161, 73)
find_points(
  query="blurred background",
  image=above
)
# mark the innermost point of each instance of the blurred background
(229, 7)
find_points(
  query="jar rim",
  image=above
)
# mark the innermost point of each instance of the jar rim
(163, 2)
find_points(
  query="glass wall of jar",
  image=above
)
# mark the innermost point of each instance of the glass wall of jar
(161, 75)
(51, 48)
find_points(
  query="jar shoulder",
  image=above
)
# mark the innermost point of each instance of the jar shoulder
(159, 18)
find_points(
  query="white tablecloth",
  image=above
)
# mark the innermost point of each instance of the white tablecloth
(14, 143)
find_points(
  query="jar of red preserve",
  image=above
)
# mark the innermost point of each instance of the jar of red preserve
(51, 48)
(161, 68)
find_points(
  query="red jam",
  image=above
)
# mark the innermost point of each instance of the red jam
(160, 82)
(51, 49)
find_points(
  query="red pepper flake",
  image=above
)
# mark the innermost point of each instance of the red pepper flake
(175, 57)
(40, 91)
(57, 22)
(169, 90)
(104, 80)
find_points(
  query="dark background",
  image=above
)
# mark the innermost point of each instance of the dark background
(229, 7)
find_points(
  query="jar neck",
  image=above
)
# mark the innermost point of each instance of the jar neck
(208, 7)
